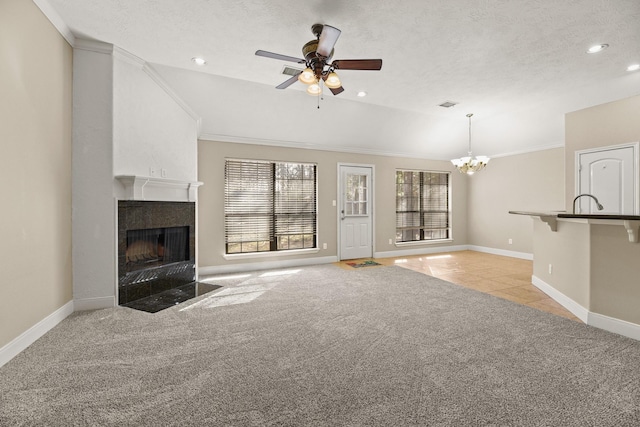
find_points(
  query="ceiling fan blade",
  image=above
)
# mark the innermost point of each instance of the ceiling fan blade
(357, 64)
(278, 56)
(328, 39)
(337, 90)
(288, 82)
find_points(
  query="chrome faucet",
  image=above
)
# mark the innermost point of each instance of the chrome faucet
(600, 207)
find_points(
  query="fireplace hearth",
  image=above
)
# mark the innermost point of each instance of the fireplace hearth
(156, 247)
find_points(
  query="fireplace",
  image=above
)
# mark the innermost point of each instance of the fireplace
(153, 247)
(156, 248)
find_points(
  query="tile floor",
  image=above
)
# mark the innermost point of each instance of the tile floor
(504, 277)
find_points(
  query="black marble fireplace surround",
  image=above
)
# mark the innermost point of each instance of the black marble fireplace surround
(156, 254)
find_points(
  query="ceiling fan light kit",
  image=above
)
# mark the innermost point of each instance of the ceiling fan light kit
(317, 60)
(307, 76)
(314, 89)
(468, 165)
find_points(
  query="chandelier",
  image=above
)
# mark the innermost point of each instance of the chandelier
(468, 164)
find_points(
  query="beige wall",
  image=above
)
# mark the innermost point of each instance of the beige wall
(567, 250)
(608, 124)
(526, 182)
(35, 168)
(615, 273)
(211, 157)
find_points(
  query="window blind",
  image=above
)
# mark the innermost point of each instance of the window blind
(269, 206)
(422, 206)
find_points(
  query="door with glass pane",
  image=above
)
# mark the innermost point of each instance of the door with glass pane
(356, 232)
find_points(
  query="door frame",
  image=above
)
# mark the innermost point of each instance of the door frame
(339, 203)
(636, 169)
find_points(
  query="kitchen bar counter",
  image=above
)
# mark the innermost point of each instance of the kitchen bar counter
(585, 263)
(631, 223)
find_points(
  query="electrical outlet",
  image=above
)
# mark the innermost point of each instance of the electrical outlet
(324, 246)
(550, 269)
(390, 242)
(511, 241)
(163, 173)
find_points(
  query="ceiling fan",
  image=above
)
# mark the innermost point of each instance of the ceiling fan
(317, 54)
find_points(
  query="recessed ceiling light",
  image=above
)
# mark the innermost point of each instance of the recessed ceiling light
(199, 61)
(362, 93)
(634, 67)
(597, 48)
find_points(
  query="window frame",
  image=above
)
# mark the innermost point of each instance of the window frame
(273, 213)
(421, 212)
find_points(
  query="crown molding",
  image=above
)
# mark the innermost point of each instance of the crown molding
(56, 20)
(312, 146)
(301, 145)
(153, 74)
(531, 150)
(94, 46)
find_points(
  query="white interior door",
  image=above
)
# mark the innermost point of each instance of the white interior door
(609, 175)
(356, 233)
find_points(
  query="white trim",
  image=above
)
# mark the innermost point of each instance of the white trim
(529, 150)
(503, 252)
(31, 335)
(153, 74)
(128, 57)
(420, 251)
(579, 311)
(158, 189)
(56, 20)
(303, 145)
(341, 149)
(267, 254)
(265, 265)
(94, 46)
(422, 242)
(97, 303)
(617, 326)
(610, 324)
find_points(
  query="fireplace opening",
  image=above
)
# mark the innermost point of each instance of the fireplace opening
(156, 253)
(153, 247)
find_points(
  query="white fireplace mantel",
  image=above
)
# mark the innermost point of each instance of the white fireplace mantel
(158, 189)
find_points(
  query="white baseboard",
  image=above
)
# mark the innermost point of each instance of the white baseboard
(420, 251)
(263, 265)
(611, 324)
(579, 311)
(32, 334)
(512, 254)
(84, 304)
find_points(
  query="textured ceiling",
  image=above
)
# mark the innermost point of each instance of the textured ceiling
(519, 66)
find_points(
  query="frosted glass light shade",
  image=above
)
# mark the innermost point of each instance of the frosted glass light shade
(333, 81)
(314, 89)
(307, 76)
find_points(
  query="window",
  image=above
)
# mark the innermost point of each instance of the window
(269, 206)
(422, 206)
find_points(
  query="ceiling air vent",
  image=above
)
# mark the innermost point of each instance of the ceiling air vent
(448, 104)
(290, 71)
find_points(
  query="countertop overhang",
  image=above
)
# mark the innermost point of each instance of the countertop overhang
(631, 223)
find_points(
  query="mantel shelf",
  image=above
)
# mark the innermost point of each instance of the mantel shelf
(159, 189)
